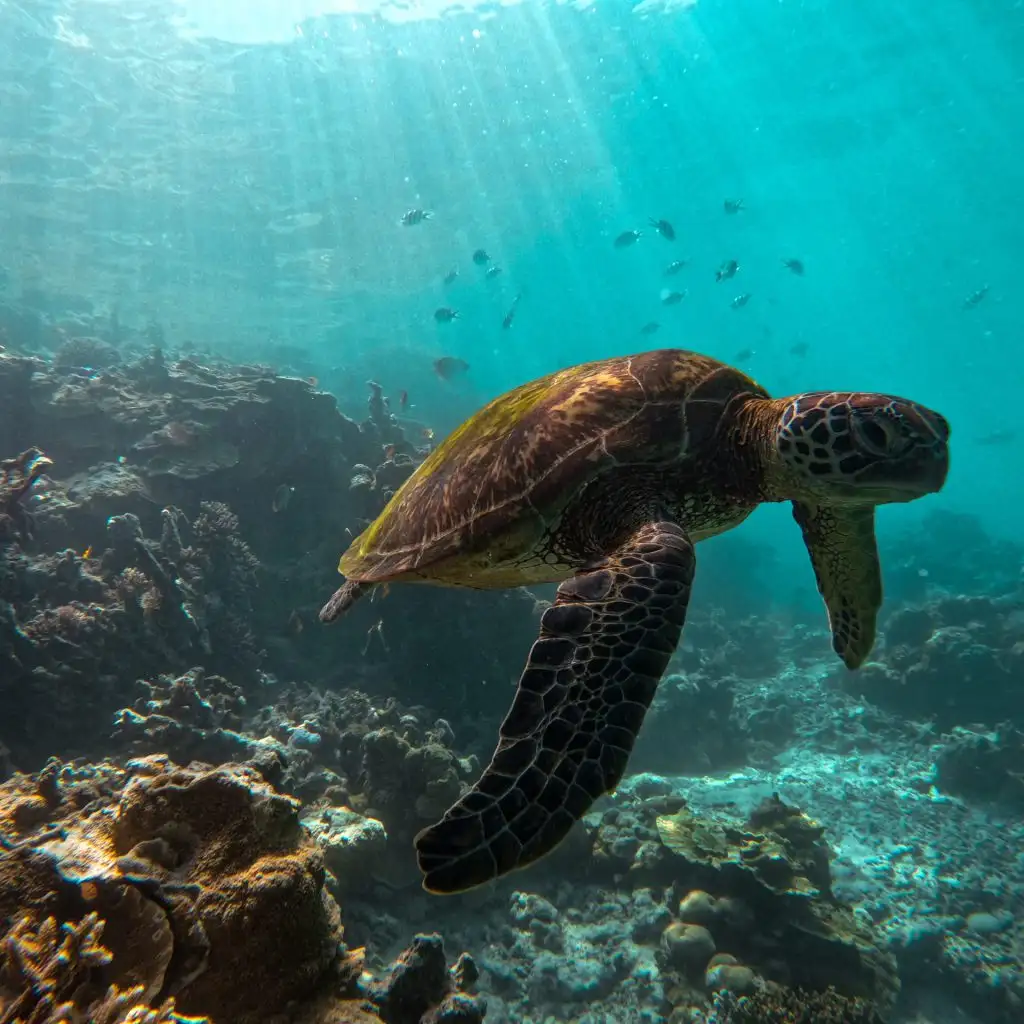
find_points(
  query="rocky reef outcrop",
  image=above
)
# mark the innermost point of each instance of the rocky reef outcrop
(186, 890)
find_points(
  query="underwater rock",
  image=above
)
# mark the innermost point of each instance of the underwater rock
(419, 988)
(352, 844)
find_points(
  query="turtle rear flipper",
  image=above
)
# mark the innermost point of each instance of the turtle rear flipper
(590, 677)
(343, 598)
(841, 543)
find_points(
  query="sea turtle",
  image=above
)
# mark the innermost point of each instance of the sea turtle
(601, 478)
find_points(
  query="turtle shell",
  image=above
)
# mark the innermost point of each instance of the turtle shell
(485, 498)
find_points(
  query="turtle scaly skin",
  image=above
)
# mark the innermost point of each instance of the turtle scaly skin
(602, 478)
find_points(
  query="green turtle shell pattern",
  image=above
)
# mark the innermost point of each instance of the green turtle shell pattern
(490, 492)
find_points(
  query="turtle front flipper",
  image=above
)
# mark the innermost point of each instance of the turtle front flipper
(841, 543)
(589, 680)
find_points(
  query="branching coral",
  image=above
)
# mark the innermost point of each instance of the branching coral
(53, 966)
(792, 1006)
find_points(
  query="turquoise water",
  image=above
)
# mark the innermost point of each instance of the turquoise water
(228, 179)
(238, 177)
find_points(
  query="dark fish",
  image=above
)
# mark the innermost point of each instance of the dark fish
(411, 217)
(674, 267)
(480, 258)
(664, 228)
(282, 496)
(506, 322)
(740, 301)
(800, 349)
(403, 401)
(732, 205)
(650, 328)
(672, 298)
(626, 239)
(795, 265)
(450, 367)
(972, 300)
(998, 437)
(744, 355)
(493, 272)
(450, 276)
(726, 270)
(445, 315)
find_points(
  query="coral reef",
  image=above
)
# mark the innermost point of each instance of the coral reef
(370, 770)
(159, 581)
(165, 543)
(983, 766)
(955, 661)
(772, 869)
(160, 889)
(788, 1006)
(45, 973)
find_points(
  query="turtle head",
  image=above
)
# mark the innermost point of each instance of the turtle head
(859, 447)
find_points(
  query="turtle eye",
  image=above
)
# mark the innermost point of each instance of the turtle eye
(879, 436)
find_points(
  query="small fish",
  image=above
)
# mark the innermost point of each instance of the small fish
(626, 239)
(282, 496)
(795, 266)
(506, 322)
(492, 272)
(445, 315)
(726, 270)
(651, 327)
(972, 300)
(450, 367)
(313, 382)
(411, 217)
(449, 278)
(674, 267)
(295, 622)
(87, 553)
(671, 298)
(740, 301)
(403, 401)
(732, 205)
(427, 434)
(389, 452)
(800, 349)
(664, 228)
(997, 437)
(480, 258)
(744, 355)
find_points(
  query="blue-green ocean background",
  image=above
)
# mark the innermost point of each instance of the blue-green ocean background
(235, 172)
